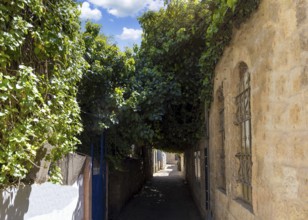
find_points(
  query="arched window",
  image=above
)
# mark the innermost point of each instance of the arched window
(243, 120)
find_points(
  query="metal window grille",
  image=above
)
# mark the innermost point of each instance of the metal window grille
(222, 171)
(222, 150)
(243, 119)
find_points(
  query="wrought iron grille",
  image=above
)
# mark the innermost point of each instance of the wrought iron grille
(222, 173)
(243, 119)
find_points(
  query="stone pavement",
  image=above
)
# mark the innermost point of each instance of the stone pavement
(165, 197)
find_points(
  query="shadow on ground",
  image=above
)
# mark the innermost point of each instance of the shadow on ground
(165, 197)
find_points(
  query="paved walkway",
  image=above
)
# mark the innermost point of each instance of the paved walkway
(165, 197)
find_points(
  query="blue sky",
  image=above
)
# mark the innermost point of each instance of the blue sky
(118, 17)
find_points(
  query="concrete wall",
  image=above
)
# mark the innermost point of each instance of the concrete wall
(45, 201)
(274, 45)
(51, 201)
(124, 184)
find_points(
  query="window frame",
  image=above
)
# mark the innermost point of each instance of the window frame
(221, 129)
(197, 159)
(243, 120)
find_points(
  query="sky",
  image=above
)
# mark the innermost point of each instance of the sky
(118, 18)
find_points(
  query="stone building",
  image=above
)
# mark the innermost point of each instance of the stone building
(171, 158)
(159, 160)
(258, 121)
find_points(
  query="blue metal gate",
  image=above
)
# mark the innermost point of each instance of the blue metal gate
(99, 182)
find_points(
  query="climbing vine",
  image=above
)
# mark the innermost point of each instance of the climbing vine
(41, 61)
(225, 15)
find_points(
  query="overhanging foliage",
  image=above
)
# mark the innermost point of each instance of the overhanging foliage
(180, 49)
(152, 96)
(158, 100)
(40, 63)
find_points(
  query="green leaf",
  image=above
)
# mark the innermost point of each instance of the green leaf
(52, 44)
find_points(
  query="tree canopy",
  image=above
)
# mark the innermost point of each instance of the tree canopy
(180, 48)
(153, 95)
(105, 94)
(164, 90)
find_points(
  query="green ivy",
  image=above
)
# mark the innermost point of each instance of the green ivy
(41, 62)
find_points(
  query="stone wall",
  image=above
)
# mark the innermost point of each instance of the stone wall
(171, 158)
(196, 181)
(273, 44)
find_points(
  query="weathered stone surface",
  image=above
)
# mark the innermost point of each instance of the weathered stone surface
(273, 44)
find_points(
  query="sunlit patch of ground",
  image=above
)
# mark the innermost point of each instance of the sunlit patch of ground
(170, 170)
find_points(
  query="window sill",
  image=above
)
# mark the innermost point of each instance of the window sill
(244, 204)
(222, 190)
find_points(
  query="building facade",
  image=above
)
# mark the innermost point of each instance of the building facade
(258, 120)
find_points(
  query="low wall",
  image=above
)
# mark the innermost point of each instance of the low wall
(50, 201)
(45, 201)
(124, 184)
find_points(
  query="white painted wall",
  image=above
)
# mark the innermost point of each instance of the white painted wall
(43, 202)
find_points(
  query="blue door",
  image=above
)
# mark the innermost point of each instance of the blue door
(99, 179)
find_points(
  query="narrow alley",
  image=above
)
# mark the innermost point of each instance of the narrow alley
(154, 109)
(165, 197)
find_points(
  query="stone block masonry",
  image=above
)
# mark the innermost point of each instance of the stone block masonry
(273, 45)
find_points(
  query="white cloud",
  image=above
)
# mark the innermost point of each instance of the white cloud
(155, 5)
(88, 13)
(130, 34)
(123, 8)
